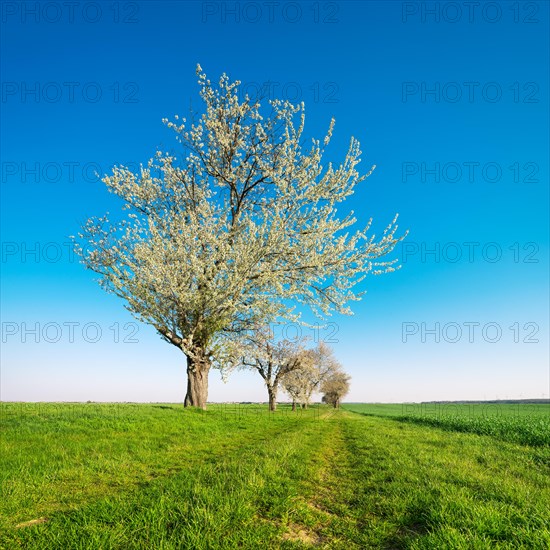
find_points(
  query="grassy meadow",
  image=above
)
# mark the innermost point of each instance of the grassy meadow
(156, 476)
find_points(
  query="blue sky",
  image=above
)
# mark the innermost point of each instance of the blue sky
(451, 105)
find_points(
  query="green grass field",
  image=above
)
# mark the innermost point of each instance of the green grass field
(91, 476)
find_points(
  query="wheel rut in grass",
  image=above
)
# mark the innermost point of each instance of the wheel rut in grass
(321, 517)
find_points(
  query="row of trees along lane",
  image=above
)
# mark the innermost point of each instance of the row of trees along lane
(286, 363)
(235, 235)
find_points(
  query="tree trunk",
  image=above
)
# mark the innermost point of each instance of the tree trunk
(294, 404)
(272, 392)
(197, 382)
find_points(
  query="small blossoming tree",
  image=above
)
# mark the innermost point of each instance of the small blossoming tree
(237, 234)
(273, 359)
(314, 367)
(335, 387)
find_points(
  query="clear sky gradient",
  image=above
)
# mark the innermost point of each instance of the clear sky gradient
(448, 99)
